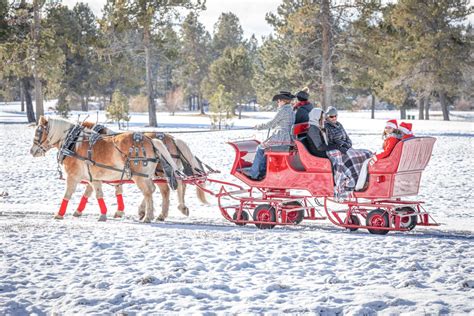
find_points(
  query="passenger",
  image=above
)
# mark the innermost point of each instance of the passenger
(317, 142)
(405, 128)
(391, 136)
(346, 161)
(336, 133)
(302, 107)
(281, 126)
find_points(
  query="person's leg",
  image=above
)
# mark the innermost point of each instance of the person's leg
(362, 176)
(258, 161)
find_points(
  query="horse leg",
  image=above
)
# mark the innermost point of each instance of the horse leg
(141, 210)
(120, 206)
(82, 205)
(147, 187)
(181, 204)
(71, 185)
(165, 204)
(99, 194)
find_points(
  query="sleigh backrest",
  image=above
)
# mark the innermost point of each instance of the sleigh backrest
(416, 153)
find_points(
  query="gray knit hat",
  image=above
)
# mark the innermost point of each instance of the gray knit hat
(331, 111)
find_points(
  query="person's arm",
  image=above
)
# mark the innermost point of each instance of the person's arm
(388, 146)
(274, 122)
(314, 135)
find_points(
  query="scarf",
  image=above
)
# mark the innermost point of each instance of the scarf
(299, 104)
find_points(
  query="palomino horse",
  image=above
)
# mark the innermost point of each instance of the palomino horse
(183, 158)
(107, 158)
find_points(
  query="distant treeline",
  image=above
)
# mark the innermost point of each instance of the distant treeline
(407, 53)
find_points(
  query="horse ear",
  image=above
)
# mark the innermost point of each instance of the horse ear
(43, 120)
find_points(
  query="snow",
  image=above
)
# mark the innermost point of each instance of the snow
(203, 264)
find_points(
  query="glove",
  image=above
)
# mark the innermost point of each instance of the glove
(373, 160)
(343, 149)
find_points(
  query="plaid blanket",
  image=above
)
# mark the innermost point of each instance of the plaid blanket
(346, 169)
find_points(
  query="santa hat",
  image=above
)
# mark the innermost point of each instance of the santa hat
(405, 128)
(392, 124)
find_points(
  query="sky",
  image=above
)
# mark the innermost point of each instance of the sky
(250, 12)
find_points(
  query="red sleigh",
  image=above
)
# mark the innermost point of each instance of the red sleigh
(297, 184)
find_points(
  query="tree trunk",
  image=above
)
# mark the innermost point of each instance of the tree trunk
(83, 103)
(326, 71)
(427, 108)
(30, 114)
(403, 113)
(22, 97)
(38, 84)
(444, 106)
(403, 109)
(421, 108)
(372, 107)
(240, 109)
(201, 105)
(149, 81)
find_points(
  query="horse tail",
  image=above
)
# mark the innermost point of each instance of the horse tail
(195, 165)
(169, 166)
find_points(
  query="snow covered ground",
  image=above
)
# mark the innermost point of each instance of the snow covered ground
(203, 264)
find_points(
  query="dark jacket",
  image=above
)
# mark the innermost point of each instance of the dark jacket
(316, 144)
(302, 110)
(337, 136)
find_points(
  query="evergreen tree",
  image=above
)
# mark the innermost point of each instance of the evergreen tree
(292, 58)
(18, 49)
(148, 16)
(221, 105)
(194, 57)
(233, 70)
(436, 47)
(117, 110)
(227, 33)
(362, 64)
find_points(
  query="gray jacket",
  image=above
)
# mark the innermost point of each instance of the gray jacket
(281, 126)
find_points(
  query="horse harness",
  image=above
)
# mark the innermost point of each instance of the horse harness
(73, 137)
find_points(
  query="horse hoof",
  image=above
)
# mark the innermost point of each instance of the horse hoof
(57, 216)
(184, 210)
(102, 218)
(146, 220)
(77, 214)
(141, 216)
(160, 218)
(119, 214)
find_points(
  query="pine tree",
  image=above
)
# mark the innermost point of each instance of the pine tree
(227, 33)
(233, 70)
(436, 46)
(362, 64)
(117, 110)
(195, 57)
(220, 107)
(148, 16)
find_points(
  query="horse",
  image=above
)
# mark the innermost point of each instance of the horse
(97, 159)
(183, 158)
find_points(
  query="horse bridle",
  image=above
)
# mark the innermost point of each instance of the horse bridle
(38, 138)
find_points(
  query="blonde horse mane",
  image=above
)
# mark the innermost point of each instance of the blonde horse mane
(58, 128)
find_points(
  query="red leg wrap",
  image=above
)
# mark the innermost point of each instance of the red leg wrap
(62, 209)
(120, 205)
(82, 204)
(103, 208)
